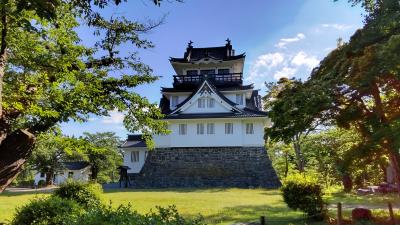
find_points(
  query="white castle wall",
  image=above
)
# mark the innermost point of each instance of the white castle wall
(219, 138)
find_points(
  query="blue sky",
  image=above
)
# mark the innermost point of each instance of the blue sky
(284, 38)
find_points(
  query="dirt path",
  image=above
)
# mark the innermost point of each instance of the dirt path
(26, 190)
(352, 206)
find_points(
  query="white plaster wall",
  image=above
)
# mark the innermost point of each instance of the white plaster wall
(218, 108)
(37, 178)
(192, 139)
(135, 167)
(79, 175)
(232, 97)
(255, 139)
(59, 177)
(181, 98)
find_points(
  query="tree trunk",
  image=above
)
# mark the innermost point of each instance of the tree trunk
(347, 182)
(49, 178)
(286, 164)
(94, 172)
(299, 156)
(14, 151)
(395, 161)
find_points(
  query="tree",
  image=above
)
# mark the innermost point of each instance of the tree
(102, 153)
(362, 82)
(333, 154)
(289, 103)
(49, 153)
(282, 157)
(358, 85)
(48, 76)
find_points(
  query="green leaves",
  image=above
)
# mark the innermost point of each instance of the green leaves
(52, 77)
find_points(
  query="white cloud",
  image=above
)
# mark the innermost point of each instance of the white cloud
(336, 26)
(114, 118)
(284, 41)
(263, 65)
(269, 60)
(287, 72)
(302, 58)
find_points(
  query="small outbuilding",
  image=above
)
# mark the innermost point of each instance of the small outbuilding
(78, 171)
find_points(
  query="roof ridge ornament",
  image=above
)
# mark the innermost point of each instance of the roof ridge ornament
(190, 44)
(188, 53)
(229, 50)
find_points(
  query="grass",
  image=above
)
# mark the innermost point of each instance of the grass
(218, 206)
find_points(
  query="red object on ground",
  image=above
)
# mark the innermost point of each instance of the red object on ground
(361, 214)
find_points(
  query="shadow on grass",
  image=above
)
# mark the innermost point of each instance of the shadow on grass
(354, 199)
(180, 190)
(251, 213)
(13, 194)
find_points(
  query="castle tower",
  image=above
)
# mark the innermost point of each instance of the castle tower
(217, 126)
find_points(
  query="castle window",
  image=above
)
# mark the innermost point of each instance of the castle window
(41, 174)
(228, 128)
(223, 71)
(191, 72)
(239, 99)
(201, 103)
(210, 128)
(134, 156)
(200, 128)
(202, 72)
(210, 103)
(249, 128)
(174, 101)
(182, 129)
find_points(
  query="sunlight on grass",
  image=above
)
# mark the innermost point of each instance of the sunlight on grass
(217, 206)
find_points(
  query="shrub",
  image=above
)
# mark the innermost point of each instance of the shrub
(41, 183)
(124, 215)
(358, 214)
(304, 193)
(47, 211)
(86, 194)
(170, 216)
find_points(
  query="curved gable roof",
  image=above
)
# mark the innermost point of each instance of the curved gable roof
(214, 90)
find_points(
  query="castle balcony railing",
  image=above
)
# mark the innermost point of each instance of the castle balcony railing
(231, 79)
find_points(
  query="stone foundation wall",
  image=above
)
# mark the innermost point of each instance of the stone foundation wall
(207, 167)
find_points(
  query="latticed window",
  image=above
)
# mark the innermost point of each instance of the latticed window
(191, 72)
(210, 128)
(182, 129)
(249, 128)
(201, 103)
(228, 128)
(207, 72)
(200, 128)
(134, 156)
(223, 71)
(210, 103)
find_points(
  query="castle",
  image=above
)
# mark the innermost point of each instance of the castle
(217, 125)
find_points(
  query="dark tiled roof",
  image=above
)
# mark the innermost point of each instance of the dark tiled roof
(204, 55)
(189, 89)
(134, 140)
(254, 102)
(245, 114)
(218, 53)
(75, 165)
(164, 105)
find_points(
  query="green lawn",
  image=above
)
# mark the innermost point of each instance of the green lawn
(218, 206)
